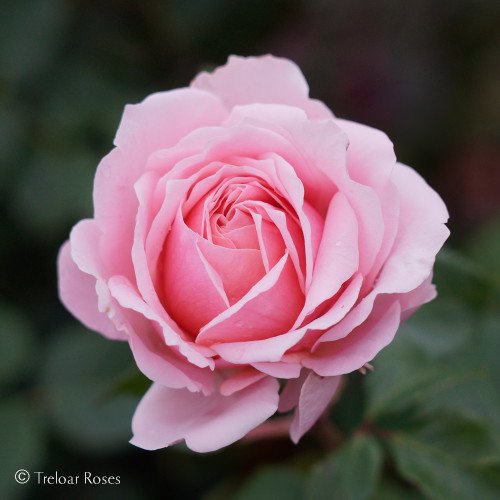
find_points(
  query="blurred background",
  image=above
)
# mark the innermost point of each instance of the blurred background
(427, 73)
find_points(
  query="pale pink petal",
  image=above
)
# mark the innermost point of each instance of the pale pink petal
(256, 351)
(128, 297)
(315, 394)
(85, 241)
(291, 235)
(190, 296)
(289, 397)
(77, 291)
(337, 258)
(322, 328)
(421, 234)
(315, 150)
(321, 164)
(239, 269)
(240, 380)
(371, 161)
(166, 416)
(152, 228)
(361, 345)
(279, 370)
(411, 301)
(156, 123)
(370, 155)
(264, 79)
(160, 363)
(260, 313)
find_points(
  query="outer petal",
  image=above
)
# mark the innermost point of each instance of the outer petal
(207, 423)
(240, 380)
(126, 294)
(420, 236)
(371, 162)
(265, 79)
(85, 241)
(77, 291)
(315, 395)
(156, 123)
(361, 345)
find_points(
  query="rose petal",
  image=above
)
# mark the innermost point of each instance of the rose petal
(207, 423)
(337, 259)
(238, 269)
(315, 394)
(157, 122)
(361, 345)
(160, 363)
(126, 295)
(77, 291)
(240, 380)
(261, 79)
(421, 234)
(259, 314)
(289, 397)
(323, 328)
(279, 370)
(85, 241)
(371, 161)
(190, 296)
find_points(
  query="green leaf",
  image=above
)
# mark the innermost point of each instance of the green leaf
(440, 327)
(484, 348)
(469, 392)
(273, 483)
(463, 436)
(389, 489)
(79, 380)
(351, 473)
(349, 411)
(401, 377)
(461, 277)
(441, 475)
(484, 248)
(23, 443)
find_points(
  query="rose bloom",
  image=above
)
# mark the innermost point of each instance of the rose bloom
(242, 236)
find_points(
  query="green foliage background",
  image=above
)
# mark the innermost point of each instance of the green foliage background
(426, 422)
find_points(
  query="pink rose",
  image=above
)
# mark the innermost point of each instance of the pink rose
(243, 234)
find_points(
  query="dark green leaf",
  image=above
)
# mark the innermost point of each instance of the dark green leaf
(348, 412)
(273, 483)
(468, 438)
(80, 376)
(349, 474)
(441, 475)
(439, 327)
(457, 276)
(484, 348)
(402, 375)
(484, 248)
(392, 490)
